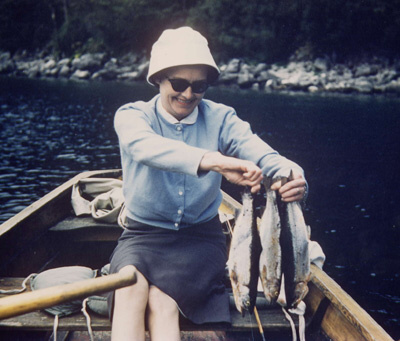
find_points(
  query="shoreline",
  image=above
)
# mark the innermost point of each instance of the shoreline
(321, 75)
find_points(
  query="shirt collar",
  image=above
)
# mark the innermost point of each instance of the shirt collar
(190, 119)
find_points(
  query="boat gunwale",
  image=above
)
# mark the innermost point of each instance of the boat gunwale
(47, 198)
(347, 306)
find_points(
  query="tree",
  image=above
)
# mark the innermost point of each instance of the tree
(260, 30)
(257, 29)
(25, 24)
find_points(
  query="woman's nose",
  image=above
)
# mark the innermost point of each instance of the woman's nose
(188, 93)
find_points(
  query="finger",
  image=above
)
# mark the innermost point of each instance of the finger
(250, 175)
(276, 185)
(255, 185)
(298, 183)
(293, 198)
(253, 173)
(255, 176)
(294, 194)
(297, 175)
(256, 182)
(255, 189)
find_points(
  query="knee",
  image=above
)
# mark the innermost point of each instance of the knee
(161, 304)
(136, 293)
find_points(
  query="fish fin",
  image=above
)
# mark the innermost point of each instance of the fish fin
(291, 176)
(235, 290)
(264, 283)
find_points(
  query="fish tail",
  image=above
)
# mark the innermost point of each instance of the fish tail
(247, 196)
(291, 177)
(267, 182)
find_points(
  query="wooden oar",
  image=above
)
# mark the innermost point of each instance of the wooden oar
(44, 298)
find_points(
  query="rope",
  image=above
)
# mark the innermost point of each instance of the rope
(55, 327)
(292, 326)
(17, 291)
(229, 225)
(300, 311)
(88, 321)
(252, 334)
(302, 328)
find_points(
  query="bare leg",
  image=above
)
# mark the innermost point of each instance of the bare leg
(129, 310)
(163, 316)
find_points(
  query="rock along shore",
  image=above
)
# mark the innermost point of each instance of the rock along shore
(318, 75)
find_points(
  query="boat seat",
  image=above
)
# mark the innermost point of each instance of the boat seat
(272, 319)
(86, 229)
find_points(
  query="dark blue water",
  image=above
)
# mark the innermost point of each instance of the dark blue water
(349, 147)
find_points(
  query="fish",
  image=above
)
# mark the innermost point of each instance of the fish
(295, 254)
(244, 255)
(271, 255)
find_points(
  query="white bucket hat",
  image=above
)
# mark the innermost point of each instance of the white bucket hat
(181, 46)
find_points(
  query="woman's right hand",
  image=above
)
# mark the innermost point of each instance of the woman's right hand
(237, 171)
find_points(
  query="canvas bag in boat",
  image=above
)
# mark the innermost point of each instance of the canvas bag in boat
(98, 303)
(102, 198)
(60, 276)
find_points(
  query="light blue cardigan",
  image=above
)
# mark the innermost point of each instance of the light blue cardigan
(160, 160)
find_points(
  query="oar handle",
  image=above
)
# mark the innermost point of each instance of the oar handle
(44, 298)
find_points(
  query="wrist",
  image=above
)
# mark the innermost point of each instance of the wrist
(210, 161)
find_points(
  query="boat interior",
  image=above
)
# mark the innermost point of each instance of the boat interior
(48, 235)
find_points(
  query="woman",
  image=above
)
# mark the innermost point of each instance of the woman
(174, 151)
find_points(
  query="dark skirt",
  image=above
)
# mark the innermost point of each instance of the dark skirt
(188, 265)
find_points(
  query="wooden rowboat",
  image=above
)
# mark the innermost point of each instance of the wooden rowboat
(47, 235)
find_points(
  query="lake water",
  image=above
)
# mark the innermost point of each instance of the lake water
(348, 145)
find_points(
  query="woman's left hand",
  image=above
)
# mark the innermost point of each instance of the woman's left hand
(293, 190)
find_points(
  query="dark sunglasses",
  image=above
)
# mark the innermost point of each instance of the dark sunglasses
(180, 85)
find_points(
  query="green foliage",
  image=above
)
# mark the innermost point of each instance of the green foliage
(261, 30)
(352, 27)
(257, 29)
(117, 26)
